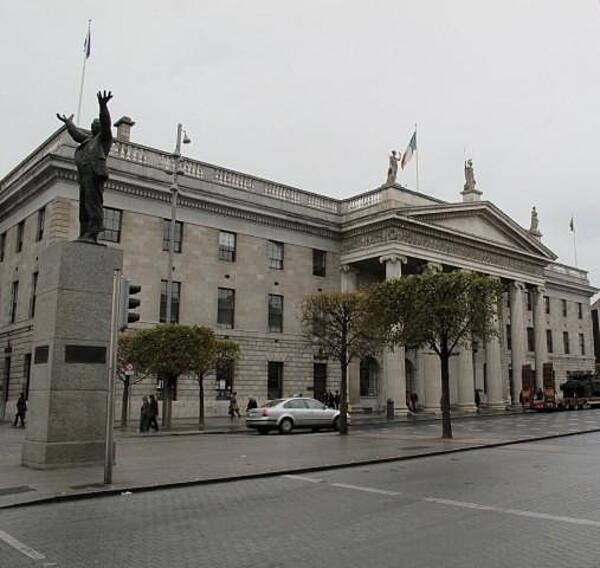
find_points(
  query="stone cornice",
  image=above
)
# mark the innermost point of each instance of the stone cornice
(424, 237)
(53, 168)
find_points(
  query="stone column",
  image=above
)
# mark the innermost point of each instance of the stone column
(394, 370)
(69, 375)
(432, 380)
(348, 283)
(517, 338)
(431, 366)
(493, 365)
(540, 336)
(466, 386)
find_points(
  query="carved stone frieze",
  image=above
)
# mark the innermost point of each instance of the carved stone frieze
(378, 234)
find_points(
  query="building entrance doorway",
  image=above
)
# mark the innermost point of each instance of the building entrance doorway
(369, 377)
(319, 381)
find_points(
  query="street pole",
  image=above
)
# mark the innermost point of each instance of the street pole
(112, 368)
(174, 192)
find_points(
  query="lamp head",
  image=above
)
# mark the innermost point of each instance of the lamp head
(186, 138)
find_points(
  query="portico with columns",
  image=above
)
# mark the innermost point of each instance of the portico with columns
(416, 233)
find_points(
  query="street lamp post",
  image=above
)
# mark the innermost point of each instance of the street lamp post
(174, 193)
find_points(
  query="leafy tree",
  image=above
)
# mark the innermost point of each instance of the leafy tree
(341, 328)
(123, 360)
(168, 350)
(210, 353)
(442, 311)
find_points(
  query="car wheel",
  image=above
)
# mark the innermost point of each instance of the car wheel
(263, 431)
(336, 424)
(286, 426)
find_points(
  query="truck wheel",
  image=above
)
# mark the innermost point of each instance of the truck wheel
(286, 426)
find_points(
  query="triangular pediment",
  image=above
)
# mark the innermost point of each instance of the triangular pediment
(481, 220)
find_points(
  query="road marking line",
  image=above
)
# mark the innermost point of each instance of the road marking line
(518, 512)
(302, 478)
(22, 548)
(366, 489)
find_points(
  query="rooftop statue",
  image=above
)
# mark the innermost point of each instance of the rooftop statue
(469, 176)
(534, 221)
(90, 159)
(393, 167)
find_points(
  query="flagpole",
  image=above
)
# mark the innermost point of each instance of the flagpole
(85, 58)
(417, 157)
(574, 242)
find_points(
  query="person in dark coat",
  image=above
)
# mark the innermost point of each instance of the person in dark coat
(92, 172)
(251, 404)
(144, 414)
(153, 413)
(21, 411)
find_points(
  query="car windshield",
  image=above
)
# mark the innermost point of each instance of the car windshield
(273, 402)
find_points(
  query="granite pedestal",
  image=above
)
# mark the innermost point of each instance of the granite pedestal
(69, 376)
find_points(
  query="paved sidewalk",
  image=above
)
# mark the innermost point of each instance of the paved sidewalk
(150, 461)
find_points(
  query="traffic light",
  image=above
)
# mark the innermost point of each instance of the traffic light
(127, 303)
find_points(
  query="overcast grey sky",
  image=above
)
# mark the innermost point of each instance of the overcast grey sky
(316, 93)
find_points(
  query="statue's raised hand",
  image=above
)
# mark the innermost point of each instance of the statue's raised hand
(64, 118)
(104, 97)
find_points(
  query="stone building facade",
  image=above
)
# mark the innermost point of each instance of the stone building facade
(248, 250)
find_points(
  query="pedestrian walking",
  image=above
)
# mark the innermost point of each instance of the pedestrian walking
(144, 414)
(234, 408)
(153, 413)
(21, 411)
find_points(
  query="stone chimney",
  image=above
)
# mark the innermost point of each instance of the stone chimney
(123, 126)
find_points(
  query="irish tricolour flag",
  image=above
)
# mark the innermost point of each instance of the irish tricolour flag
(410, 150)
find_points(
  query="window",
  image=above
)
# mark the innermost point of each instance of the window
(224, 378)
(34, 281)
(225, 307)
(319, 262)
(547, 304)
(227, 246)
(275, 255)
(41, 221)
(529, 297)
(2, 246)
(564, 308)
(275, 380)
(566, 346)
(175, 298)
(579, 310)
(549, 345)
(20, 234)
(582, 343)
(167, 234)
(275, 313)
(508, 299)
(13, 301)
(508, 338)
(112, 225)
(530, 339)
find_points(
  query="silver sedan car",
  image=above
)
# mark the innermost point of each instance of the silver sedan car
(285, 414)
